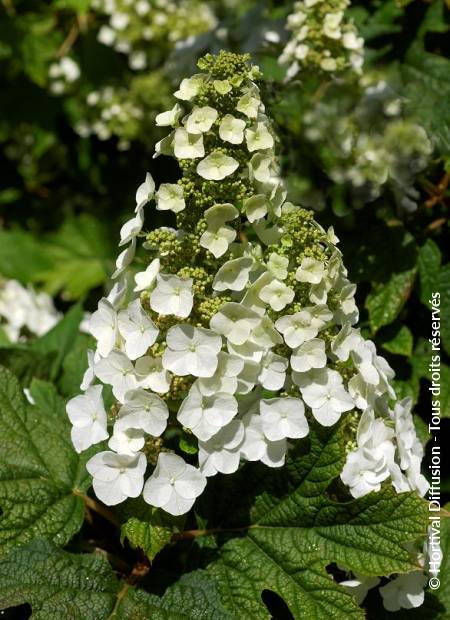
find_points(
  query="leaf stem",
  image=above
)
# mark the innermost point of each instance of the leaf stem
(97, 507)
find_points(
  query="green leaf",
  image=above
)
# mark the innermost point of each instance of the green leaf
(75, 364)
(151, 532)
(80, 6)
(81, 253)
(61, 338)
(397, 339)
(429, 262)
(26, 364)
(428, 73)
(21, 256)
(58, 584)
(39, 44)
(41, 476)
(420, 362)
(386, 300)
(296, 530)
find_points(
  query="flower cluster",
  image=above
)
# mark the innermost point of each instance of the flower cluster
(24, 313)
(133, 27)
(372, 147)
(239, 333)
(109, 112)
(322, 39)
(63, 74)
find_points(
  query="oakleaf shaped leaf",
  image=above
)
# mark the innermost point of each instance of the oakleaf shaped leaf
(41, 476)
(296, 532)
(58, 584)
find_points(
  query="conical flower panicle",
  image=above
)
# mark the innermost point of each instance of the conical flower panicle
(240, 329)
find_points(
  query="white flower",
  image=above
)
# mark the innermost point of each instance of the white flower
(231, 129)
(151, 375)
(89, 374)
(118, 293)
(206, 415)
(191, 351)
(260, 167)
(145, 279)
(218, 214)
(347, 340)
(172, 295)
(137, 61)
(297, 328)
(264, 335)
(201, 119)
(310, 270)
(186, 145)
(164, 146)
(119, 21)
(258, 138)
(222, 86)
(169, 118)
(117, 370)
(277, 295)
(404, 592)
(170, 197)
(88, 417)
(255, 207)
(323, 390)
(310, 354)
(248, 105)
(217, 240)
(278, 266)
(174, 485)
(331, 25)
(145, 191)
(283, 417)
(106, 35)
(225, 379)
(124, 259)
(116, 476)
(189, 87)
(138, 331)
(234, 321)
(144, 411)
(328, 64)
(221, 453)
(256, 446)
(363, 474)
(128, 441)
(217, 166)
(233, 275)
(132, 228)
(103, 326)
(273, 371)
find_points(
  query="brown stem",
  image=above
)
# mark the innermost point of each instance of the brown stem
(192, 534)
(69, 40)
(92, 504)
(439, 191)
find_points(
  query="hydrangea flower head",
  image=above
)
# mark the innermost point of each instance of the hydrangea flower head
(238, 330)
